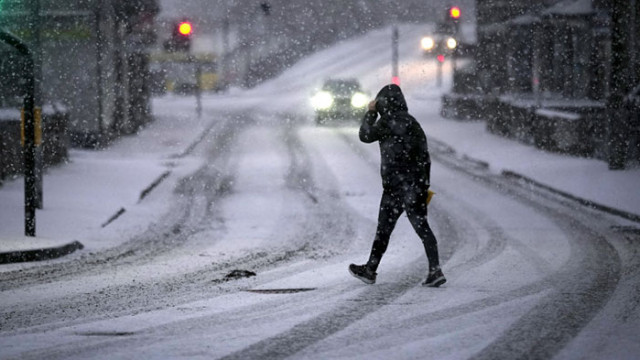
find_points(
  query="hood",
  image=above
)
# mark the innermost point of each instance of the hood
(390, 99)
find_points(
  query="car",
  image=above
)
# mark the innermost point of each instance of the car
(340, 100)
(441, 42)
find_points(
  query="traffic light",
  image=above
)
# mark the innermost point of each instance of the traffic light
(180, 37)
(454, 13)
(185, 28)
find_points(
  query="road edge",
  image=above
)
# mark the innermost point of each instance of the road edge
(588, 203)
(39, 254)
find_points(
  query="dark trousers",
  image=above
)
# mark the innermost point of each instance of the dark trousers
(397, 198)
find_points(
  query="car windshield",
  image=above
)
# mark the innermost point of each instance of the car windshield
(342, 87)
(445, 29)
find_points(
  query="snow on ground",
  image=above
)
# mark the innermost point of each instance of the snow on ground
(84, 193)
(81, 195)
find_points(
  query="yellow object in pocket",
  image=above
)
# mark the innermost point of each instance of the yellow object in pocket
(429, 196)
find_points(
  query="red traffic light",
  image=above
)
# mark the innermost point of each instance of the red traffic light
(440, 58)
(454, 12)
(185, 28)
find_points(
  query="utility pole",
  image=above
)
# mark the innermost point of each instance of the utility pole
(100, 44)
(224, 66)
(28, 131)
(36, 50)
(620, 84)
(395, 37)
(395, 42)
(198, 87)
(29, 126)
(634, 34)
(439, 62)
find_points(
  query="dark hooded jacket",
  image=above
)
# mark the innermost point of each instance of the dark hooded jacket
(403, 144)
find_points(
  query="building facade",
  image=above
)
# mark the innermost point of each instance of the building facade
(547, 73)
(91, 66)
(93, 60)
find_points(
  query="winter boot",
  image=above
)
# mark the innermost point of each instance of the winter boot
(435, 278)
(363, 273)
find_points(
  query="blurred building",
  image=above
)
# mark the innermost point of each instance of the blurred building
(256, 40)
(93, 70)
(547, 73)
(93, 57)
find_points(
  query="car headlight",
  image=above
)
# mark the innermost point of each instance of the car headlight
(359, 100)
(427, 43)
(452, 43)
(322, 100)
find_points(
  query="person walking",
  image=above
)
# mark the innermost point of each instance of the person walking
(405, 171)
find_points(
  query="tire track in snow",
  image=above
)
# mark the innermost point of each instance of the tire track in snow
(472, 223)
(189, 216)
(576, 292)
(581, 287)
(168, 232)
(197, 192)
(298, 170)
(328, 234)
(553, 321)
(371, 299)
(330, 222)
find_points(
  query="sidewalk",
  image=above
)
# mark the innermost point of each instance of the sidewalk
(587, 180)
(85, 195)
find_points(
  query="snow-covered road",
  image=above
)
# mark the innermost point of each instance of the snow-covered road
(530, 274)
